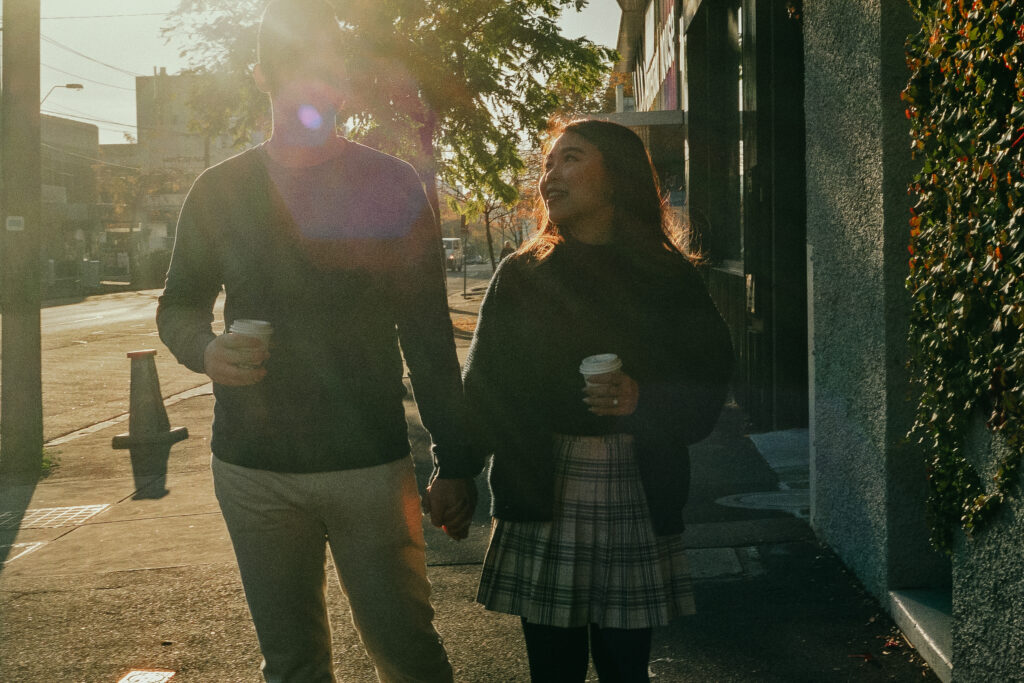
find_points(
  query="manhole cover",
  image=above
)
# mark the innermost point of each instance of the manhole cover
(769, 500)
(141, 676)
(49, 518)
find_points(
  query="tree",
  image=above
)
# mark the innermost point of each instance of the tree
(125, 194)
(511, 216)
(478, 205)
(456, 87)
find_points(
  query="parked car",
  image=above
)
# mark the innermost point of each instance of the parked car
(454, 255)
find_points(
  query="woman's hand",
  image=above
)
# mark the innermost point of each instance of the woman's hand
(614, 393)
(450, 504)
(235, 360)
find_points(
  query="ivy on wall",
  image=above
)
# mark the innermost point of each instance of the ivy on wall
(965, 101)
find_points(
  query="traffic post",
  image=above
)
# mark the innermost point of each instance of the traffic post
(464, 233)
(21, 393)
(149, 437)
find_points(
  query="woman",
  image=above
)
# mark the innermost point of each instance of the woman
(588, 482)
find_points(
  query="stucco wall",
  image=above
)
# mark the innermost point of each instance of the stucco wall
(869, 486)
(845, 227)
(988, 584)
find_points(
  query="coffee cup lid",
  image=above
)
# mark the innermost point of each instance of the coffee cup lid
(600, 364)
(251, 327)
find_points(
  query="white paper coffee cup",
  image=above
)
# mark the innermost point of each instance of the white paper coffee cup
(260, 329)
(600, 364)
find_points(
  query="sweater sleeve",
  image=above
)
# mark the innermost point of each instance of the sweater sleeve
(428, 345)
(185, 309)
(499, 389)
(486, 367)
(681, 402)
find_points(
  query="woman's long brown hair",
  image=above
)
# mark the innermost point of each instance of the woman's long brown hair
(640, 218)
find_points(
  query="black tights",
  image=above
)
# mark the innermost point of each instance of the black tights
(559, 655)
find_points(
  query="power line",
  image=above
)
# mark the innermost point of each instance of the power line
(88, 118)
(88, 158)
(72, 110)
(107, 16)
(88, 80)
(165, 130)
(85, 56)
(118, 16)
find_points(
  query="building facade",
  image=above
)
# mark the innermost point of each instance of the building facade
(785, 121)
(145, 182)
(719, 101)
(168, 138)
(171, 153)
(70, 224)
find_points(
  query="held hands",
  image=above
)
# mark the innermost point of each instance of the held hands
(450, 504)
(235, 360)
(614, 393)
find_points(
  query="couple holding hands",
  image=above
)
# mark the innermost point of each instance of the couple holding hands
(336, 246)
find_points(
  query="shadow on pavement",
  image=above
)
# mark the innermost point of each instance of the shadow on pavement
(15, 496)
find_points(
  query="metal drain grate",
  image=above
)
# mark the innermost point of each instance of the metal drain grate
(146, 676)
(49, 518)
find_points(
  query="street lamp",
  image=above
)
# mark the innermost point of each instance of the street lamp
(69, 86)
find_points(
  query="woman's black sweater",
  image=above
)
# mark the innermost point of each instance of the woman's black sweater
(540, 319)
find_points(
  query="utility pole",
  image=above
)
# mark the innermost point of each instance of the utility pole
(21, 393)
(464, 236)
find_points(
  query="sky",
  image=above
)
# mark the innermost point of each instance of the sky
(104, 44)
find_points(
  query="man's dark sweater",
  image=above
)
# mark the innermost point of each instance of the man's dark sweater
(339, 298)
(539, 320)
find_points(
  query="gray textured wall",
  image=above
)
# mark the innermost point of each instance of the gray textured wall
(988, 584)
(845, 228)
(869, 487)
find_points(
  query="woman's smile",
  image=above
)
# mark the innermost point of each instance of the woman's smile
(576, 189)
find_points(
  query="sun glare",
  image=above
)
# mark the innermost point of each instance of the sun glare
(310, 117)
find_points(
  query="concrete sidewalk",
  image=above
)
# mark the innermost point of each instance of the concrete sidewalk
(107, 572)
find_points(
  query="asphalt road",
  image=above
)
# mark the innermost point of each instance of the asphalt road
(85, 370)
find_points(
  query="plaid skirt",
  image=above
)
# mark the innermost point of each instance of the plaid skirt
(599, 561)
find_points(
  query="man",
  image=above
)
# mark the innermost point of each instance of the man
(335, 246)
(506, 249)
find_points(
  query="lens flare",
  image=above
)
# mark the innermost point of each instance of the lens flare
(310, 117)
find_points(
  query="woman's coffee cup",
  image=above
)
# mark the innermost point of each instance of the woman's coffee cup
(600, 364)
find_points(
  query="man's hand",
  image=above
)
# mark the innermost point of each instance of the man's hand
(235, 360)
(451, 503)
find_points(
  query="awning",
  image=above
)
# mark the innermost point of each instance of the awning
(664, 131)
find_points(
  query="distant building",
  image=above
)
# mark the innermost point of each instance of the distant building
(121, 208)
(168, 140)
(171, 152)
(70, 224)
(782, 123)
(146, 182)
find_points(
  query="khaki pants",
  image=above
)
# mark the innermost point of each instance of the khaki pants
(280, 525)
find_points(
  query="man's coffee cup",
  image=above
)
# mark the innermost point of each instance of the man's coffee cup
(260, 329)
(601, 364)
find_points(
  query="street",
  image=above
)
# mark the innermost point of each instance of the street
(85, 369)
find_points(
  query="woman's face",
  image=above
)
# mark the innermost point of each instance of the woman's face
(576, 189)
